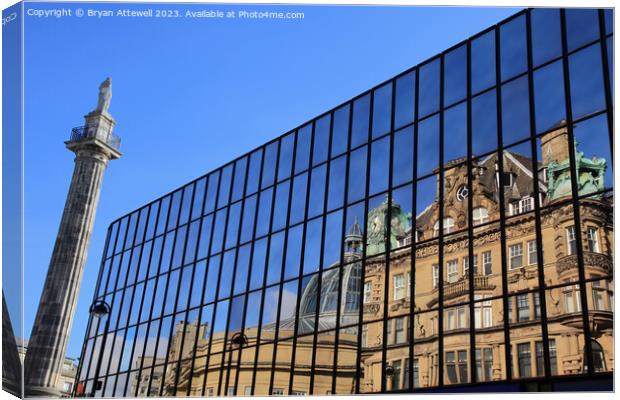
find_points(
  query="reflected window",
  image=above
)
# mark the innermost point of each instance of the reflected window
(435, 275)
(516, 256)
(532, 254)
(399, 286)
(524, 357)
(452, 269)
(571, 240)
(448, 226)
(367, 291)
(598, 358)
(572, 299)
(487, 264)
(480, 215)
(466, 265)
(593, 244)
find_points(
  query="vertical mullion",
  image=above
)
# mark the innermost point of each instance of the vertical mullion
(264, 286)
(470, 228)
(284, 251)
(251, 257)
(388, 249)
(575, 198)
(414, 229)
(537, 200)
(441, 227)
(365, 233)
(607, 81)
(502, 209)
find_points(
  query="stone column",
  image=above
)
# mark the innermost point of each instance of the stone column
(94, 145)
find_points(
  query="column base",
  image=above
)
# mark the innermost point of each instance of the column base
(42, 391)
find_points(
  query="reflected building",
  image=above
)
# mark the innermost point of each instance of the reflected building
(428, 235)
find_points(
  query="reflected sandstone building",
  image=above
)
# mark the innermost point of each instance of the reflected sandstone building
(289, 271)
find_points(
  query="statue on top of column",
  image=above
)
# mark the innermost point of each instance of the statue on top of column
(105, 95)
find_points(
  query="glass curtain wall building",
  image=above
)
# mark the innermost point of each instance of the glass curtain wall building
(450, 228)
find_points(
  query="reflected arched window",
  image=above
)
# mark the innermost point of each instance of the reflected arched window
(480, 215)
(448, 226)
(598, 357)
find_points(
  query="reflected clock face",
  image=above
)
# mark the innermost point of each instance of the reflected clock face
(462, 192)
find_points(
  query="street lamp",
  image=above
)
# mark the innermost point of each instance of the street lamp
(98, 310)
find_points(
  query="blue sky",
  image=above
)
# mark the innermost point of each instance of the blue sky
(192, 94)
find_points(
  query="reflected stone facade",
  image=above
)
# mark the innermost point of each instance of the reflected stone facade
(427, 235)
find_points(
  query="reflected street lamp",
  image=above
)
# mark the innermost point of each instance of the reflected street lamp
(98, 310)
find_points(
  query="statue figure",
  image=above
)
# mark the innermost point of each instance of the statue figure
(105, 95)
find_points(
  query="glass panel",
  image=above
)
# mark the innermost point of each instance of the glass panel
(405, 100)
(254, 172)
(316, 202)
(429, 88)
(274, 266)
(321, 139)
(225, 183)
(357, 175)
(247, 223)
(340, 135)
(455, 75)
(428, 139)
(337, 173)
(581, 27)
(218, 231)
(515, 111)
(302, 156)
(188, 193)
(361, 119)
(232, 229)
(546, 35)
(333, 239)
(212, 277)
(312, 251)
(323, 364)
(241, 272)
(198, 198)
(258, 263)
(402, 163)
(293, 252)
(269, 164)
(513, 48)
(483, 62)
(346, 358)
(455, 134)
(298, 201)
(285, 167)
(382, 110)
(226, 275)
(287, 309)
(264, 212)
(379, 165)
(239, 181)
(211, 192)
(484, 123)
(549, 96)
(281, 206)
(586, 81)
(205, 239)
